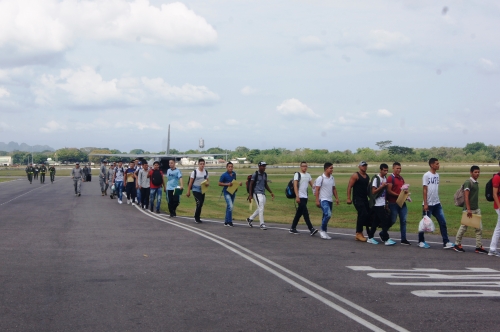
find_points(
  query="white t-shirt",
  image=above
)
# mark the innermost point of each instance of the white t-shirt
(200, 177)
(305, 178)
(326, 190)
(432, 182)
(380, 201)
(119, 173)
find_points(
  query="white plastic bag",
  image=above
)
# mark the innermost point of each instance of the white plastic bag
(113, 188)
(426, 225)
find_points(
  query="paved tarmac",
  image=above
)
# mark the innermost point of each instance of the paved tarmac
(88, 264)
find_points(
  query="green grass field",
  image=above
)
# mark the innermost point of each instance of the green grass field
(282, 210)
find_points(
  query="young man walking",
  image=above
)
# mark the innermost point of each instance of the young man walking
(143, 184)
(226, 180)
(52, 173)
(394, 183)
(257, 190)
(130, 186)
(471, 206)
(119, 174)
(300, 185)
(35, 172)
(359, 184)
(77, 175)
(85, 172)
(496, 205)
(43, 170)
(174, 180)
(156, 184)
(110, 173)
(325, 188)
(432, 204)
(196, 178)
(379, 208)
(102, 177)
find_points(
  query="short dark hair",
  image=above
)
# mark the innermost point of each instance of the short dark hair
(327, 165)
(432, 161)
(396, 164)
(229, 163)
(384, 166)
(156, 162)
(303, 162)
(474, 167)
(201, 160)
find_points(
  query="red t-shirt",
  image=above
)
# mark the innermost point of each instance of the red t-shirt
(151, 185)
(496, 184)
(396, 186)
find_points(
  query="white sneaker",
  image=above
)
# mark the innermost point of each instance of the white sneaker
(136, 200)
(327, 236)
(128, 201)
(372, 241)
(133, 204)
(120, 202)
(322, 235)
(494, 253)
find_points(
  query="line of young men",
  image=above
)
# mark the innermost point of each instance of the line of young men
(32, 172)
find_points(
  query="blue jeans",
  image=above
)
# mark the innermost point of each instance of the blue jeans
(437, 212)
(155, 192)
(326, 206)
(403, 213)
(139, 198)
(119, 189)
(229, 209)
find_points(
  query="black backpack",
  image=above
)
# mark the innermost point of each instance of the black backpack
(156, 178)
(488, 191)
(249, 180)
(289, 191)
(373, 197)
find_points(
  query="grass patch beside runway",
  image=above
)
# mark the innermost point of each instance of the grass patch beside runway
(282, 210)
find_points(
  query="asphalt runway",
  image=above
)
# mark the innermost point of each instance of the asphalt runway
(89, 264)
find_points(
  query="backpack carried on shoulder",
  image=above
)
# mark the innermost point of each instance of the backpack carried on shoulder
(156, 178)
(289, 191)
(373, 197)
(249, 180)
(459, 197)
(488, 192)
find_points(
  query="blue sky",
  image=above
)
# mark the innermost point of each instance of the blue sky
(333, 75)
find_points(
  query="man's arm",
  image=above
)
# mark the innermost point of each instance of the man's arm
(296, 190)
(495, 196)
(424, 192)
(336, 195)
(467, 203)
(250, 190)
(269, 189)
(182, 182)
(351, 183)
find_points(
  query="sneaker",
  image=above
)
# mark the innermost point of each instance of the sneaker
(120, 202)
(481, 251)
(263, 227)
(136, 200)
(405, 242)
(390, 242)
(197, 221)
(111, 196)
(424, 245)
(293, 231)
(151, 209)
(448, 245)
(458, 248)
(230, 224)
(158, 211)
(226, 224)
(360, 237)
(249, 221)
(494, 253)
(372, 241)
(313, 231)
(128, 201)
(327, 236)
(79, 194)
(322, 235)
(133, 203)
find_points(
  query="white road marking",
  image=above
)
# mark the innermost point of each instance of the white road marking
(467, 269)
(432, 276)
(218, 239)
(449, 283)
(456, 293)
(24, 194)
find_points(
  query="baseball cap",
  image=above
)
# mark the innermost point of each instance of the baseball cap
(77, 163)
(363, 163)
(139, 163)
(262, 163)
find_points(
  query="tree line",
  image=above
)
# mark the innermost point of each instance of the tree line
(472, 152)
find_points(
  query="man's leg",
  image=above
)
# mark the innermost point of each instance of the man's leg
(461, 231)
(437, 212)
(199, 199)
(496, 234)
(262, 204)
(75, 185)
(79, 186)
(158, 200)
(119, 189)
(305, 213)
(257, 207)
(175, 203)
(170, 199)
(385, 224)
(374, 221)
(298, 214)
(326, 206)
(229, 209)
(152, 195)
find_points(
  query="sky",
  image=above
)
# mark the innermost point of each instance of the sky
(292, 74)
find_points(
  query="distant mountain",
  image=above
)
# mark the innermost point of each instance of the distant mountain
(13, 146)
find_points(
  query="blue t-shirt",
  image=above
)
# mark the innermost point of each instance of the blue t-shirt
(226, 178)
(173, 176)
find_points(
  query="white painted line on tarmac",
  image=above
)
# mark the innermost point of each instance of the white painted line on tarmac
(23, 195)
(333, 233)
(432, 276)
(449, 283)
(219, 239)
(467, 269)
(456, 293)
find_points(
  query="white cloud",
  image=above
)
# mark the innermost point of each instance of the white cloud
(248, 91)
(384, 113)
(137, 125)
(4, 92)
(295, 107)
(186, 126)
(487, 66)
(384, 42)
(85, 88)
(231, 122)
(34, 28)
(53, 126)
(4, 126)
(311, 43)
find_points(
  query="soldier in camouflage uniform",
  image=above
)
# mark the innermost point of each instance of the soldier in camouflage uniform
(43, 170)
(52, 172)
(29, 172)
